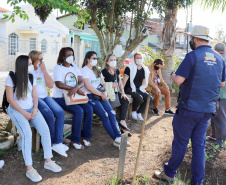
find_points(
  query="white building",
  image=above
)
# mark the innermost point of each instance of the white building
(22, 36)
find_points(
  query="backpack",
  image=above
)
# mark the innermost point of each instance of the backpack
(5, 103)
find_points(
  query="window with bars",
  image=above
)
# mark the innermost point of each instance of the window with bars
(54, 47)
(32, 44)
(44, 46)
(13, 44)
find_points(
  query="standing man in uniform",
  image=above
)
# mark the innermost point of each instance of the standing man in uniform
(218, 122)
(201, 74)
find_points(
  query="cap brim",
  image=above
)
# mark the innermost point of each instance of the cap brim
(201, 37)
(187, 33)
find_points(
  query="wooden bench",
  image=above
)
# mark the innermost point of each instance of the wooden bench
(35, 135)
(68, 116)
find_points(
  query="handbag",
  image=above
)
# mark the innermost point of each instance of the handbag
(74, 99)
(101, 89)
(116, 103)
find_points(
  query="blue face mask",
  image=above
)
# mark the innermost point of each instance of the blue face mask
(224, 57)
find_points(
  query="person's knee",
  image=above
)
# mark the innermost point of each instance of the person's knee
(26, 134)
(138, 98)
(88, 110)
(60, 113)
(103, 116)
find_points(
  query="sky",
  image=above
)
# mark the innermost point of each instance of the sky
(208, 18)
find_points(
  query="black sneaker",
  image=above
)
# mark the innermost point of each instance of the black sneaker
(169, 112)
(155, 112)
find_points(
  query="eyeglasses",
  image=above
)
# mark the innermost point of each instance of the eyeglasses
(40, 59)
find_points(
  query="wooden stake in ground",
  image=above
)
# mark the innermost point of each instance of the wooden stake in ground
(122, 154)
(141, 138)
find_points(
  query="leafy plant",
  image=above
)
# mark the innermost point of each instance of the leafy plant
(114, 180)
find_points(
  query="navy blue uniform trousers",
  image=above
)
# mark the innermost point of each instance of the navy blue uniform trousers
(188, 124)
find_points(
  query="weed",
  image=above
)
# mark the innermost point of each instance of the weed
(216, 148)
(2, 152)
(114, 181)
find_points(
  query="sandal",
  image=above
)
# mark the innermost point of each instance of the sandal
(86, 143)
(77, 146)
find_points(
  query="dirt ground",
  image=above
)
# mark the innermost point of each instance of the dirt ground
(99, 164)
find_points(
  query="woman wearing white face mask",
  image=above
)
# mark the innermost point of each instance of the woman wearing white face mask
(92, 79)
(113, 82)
(22, 109)
(74, 83)
(49, 108)
(135, 81)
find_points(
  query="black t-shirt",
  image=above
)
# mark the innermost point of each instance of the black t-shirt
(108, 77)
(137, 80)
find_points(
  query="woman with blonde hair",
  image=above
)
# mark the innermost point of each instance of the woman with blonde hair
(49, 108)
(112, 78)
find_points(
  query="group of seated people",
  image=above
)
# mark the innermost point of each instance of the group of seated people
(29, 101)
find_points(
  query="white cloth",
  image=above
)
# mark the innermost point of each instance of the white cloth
(133, 72)
(41, 83)
(59, 74)
(88, 73)
(26, 103)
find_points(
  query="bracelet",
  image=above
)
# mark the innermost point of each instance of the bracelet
(78, 87)
(36, 110)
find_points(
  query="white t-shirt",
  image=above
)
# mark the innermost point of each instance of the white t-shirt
(27, 103)
(59, 74)
(41, 83)
(88, 73)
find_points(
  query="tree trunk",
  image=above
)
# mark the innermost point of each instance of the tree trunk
(168, 41)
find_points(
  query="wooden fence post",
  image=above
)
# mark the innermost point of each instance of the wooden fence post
(141, 138)
(122, 154)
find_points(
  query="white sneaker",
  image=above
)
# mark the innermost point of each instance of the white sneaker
(58, 148)
(52, 166)
(33, 175)
(134, 115)
(139, 116)
(117, 142)
(66, 148)
(2, 163)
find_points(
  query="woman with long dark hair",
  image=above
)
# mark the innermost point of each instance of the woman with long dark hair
(23, 108)
(74, 83)
(49, 108)
(112, 76)
(92, 79)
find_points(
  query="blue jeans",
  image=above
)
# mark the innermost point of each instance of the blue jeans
(188, 124)
(51, 110)
(78, 111)
(107, 115)
(24, 129)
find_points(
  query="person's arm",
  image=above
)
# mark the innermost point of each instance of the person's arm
(223, 76)
(125, 80)
(35, 101)
(183, 70)
(77, 87)
(104, 94)
(15, 105)
(121, 87)
(48, 79)
(90, 88)
(152, 84)
(177, 79)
